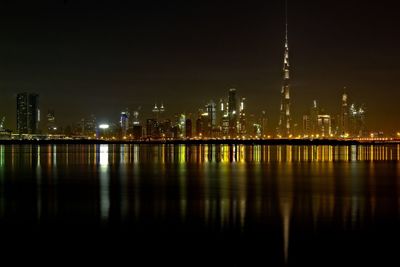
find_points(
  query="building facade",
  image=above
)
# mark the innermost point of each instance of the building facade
(28, 113)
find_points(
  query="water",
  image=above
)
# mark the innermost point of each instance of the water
(200, 205)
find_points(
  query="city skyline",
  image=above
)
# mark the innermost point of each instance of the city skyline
(200, 133)
(227, 119)
(195, 81)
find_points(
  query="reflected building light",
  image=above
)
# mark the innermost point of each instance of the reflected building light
(314, 153)
(54, 157)
(38, 187)
(286, 210)
(182, 191)
(242, 210)
(224, 153)
(398, 152)
(371, 152)
(305, 158)
(213, 147)
(103, 155)
(136, 154)
(288, 153)
(49, 155)
(207, 153)
(242, 152)
(224, 192)
(234, 153)
(2, 156)
(123, 155)
(330, 155)
(136, 183)
(182, 154)
(279, 153)
(104, 183)
(123, 184)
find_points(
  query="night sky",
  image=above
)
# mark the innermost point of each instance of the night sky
(100, 57)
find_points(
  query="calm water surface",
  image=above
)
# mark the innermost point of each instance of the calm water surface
(203, 205)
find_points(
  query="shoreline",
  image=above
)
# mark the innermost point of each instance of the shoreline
(204, 142)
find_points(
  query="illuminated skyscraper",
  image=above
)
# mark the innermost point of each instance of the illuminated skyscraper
(51, 122)
(264, 123)
(232, 112)
(211, 108)
(242, 116)
(356, 121)
(156, 111)
(135, 119)
(28, 113)
(344, 117)
(284, 125)
(323, 125)
(124, 122)
(2, 123)
(161, 111)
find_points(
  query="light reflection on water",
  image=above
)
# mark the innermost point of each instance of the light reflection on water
(222, 187)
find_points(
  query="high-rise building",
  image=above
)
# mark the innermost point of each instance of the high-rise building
(212, 113)
(2, 123)
(232, 112)
(199, 127)
(161, 112)
(51, 122)
(210, 119)
(152, 129)
(28, 113)
(264, 123)
(284, 125)
(156, 112)
(344, 117)
(313, 118)
(135, 119)
(124, 122)
(182, 125)
(242, 116)
(88, 126)
(165, 127)
(188, 129)
(137, 132)
(306, 125)
(323, 125)
(357, 121)
(317, 123)
(223, 117)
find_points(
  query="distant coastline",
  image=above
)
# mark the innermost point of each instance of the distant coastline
(208, 141)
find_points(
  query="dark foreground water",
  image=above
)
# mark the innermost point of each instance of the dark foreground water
(199, 205)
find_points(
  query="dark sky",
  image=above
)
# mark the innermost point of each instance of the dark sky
(100, 57)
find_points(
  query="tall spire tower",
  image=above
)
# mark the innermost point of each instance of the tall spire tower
(284, 127)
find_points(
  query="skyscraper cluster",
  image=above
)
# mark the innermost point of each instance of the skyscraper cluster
(226, 118)
(350, 122)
